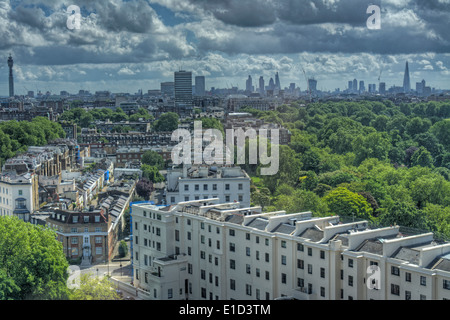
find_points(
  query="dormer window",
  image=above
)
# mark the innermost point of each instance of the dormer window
(75, 219)
(86, 219)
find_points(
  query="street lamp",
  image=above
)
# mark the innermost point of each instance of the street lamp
(121, 271)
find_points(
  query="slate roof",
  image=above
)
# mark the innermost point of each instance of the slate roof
(312, 234)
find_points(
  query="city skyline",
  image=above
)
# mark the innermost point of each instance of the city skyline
(223, 41)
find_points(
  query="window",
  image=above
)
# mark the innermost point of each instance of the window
(247, 269)
(248, 289)
(283, 260)
(186, 198)
(322, 272)
(232, 232)
(240, 198)
(407, 295)
(310, 269)
(232, 264)
(283, 244)
(197, 187)
(300, 282)
(205, 187)
(227, 198)
(202, 274)
(407, 276)
(214, 186)
(240, 186)
(423, 281)
(267, 275)
(86, 219)
(74, 218)
(169, 294)
(423, 297)
(186, 187)
(247, 251)
(322, 254)
(300, 247)
(350, 263)
(177, 235)
(395, 289)
(258, 272)
(232, 284)
(446, 284)
(74, 240)
(267, 257)
(395, 271)
(283, 278)
(97, 219)
(20, 192)
(189, 236)
(300, 264)
(350, 281)
(227, 186)
(247, 236)
(310, 252)
(232, 247)
(322, 291)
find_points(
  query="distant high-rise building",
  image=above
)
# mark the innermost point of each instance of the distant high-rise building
(277, 81)
(271, 84)
(183, 89)
(382, 88)
(11, 79)
(261, 85)
(312, 85)
(168, 88)
(350, 86)
(355, 85)
(406, 80)
(249, 84)
(372, 88)
(200, 85)
(292, 87)
(362, 87)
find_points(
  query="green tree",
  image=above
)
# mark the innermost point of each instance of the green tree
(404, 214)
(33, 260)
(167, 122)
(95, 289)
(261, 197)
(153, 158)
(123, 248)
(422, 158)
(343, 202)
(151, 173)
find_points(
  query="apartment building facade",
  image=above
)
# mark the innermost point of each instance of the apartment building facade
(197, 250)
(228, 184)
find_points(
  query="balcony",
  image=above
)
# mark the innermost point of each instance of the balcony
(303, 293)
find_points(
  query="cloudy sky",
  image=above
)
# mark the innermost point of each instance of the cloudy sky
(123, 46)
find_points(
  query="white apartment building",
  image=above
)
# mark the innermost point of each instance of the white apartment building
(198, 250)
(18, 195)
(229, 184)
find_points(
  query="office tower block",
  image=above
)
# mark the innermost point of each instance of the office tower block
(249, 84)
(11, 79)
(406, 80)
(200, 86)
(277, 81)
(183, 89)
(261, 86)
